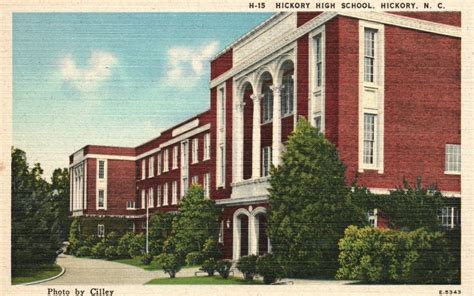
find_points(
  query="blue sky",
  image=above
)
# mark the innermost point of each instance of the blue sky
(111, 79)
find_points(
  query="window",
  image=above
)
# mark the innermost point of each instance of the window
(158, 163)
(267, 102)
(101, 199)
(266, 160)
(101, 169)
(165, 161)
(369, 54)
(207, 184)
(174, 193)
(453, 158)
(372, 217)
(100, 230)
(165, 194)
(319, 60)
(151, 167)
(174, 164)
(195, 180)
(195, 151)
(143, 199)
(221, 109)
(158, 196)
(221, 233)
(143, 169)
(185, 186)
(370, 121)
(207, 146)
(317, 122)
(221, 167)
(287, 95)
(150, 198)
(449, 217)
(130, 204)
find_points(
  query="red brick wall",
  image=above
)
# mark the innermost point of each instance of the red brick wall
(304, 17)
(222, 64)
(302, 77)
(287, 126)
(332, 79)
(122, 151)
(452, 18)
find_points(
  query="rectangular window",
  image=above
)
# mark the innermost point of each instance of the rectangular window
(174, 192)
(370, 121)
(195, 151)
(195, 180)
(151, 167)
(158, 196)
(221, 109)
(449, 217)
(158, 163)
(175, 158)
(207, 146)
(287, 95)
(142, 204)
(100, 230)
(266, 160)
(372, 217)
(267, 103)
(143, 169)
(165, 160)
(221, 165)
(101, 199)
(319, 60)
(453, 158)
(165, 194)
(185, 186)
(369, 54)
(101, 169)
(221, 233)
(317, 122)
(207, 185)
(130, 204)
(150, 198)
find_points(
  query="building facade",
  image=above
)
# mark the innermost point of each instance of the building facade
(385, 88)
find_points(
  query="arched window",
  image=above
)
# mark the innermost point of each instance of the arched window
(287, 94)
(267, 98)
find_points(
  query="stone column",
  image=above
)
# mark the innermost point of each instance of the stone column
(253, 235)
(276, 133)
(239, 161)
(256, 150)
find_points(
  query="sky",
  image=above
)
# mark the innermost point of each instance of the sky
(109, 78)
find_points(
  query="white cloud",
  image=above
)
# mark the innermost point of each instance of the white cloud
(98, 69)
(186, 64)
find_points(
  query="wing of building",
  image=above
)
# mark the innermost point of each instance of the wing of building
(385, 88)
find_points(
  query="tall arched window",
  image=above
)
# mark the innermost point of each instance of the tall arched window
(267, 105)
(287, 94)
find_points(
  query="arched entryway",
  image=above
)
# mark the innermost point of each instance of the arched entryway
(250, 236)
(241, 236)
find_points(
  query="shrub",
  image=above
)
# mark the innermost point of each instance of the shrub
(392, 256)
(98, 251)
(211, 249)
(223, 268)
(123, 245)
(136, 246)
(269, 268)
(91, 240)
(248, 266)
(147, 258)
(209, 266)
(170, 263)
(112, 239)
(111, 252)
(194, 258)
(83, 251)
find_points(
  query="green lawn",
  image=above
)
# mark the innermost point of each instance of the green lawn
(138, 263)
(36, 273)
(203, 280)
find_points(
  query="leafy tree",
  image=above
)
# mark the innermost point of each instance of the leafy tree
(309, 205)
(60, 190)
(35, 220)
(160, 227)
(197, 222)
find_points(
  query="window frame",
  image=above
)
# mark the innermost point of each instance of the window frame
(100, 230)
(165, 161)
(452, 160)
(143, 164)
(158, 196)
(207, 147)
(151, 166)
(174, 193)
(151, 203)
(374, 141)
(174, 161)
(103, 207)
(195, 151)
(266, 160)
(207, 185)
(165, 194)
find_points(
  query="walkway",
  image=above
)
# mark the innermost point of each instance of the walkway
(83, 271)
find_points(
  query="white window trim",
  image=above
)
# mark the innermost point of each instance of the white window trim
(174, 164)
(151, 166)
(130, 205)
(195, 180)
(100, 230)
(166, 159)
(151, 202)
(174, 193)
(449, 172)
(143, 169)
(374, 217)
(371, 166)
(267, 165)
(158, 164)
(378, 87)
(165, 194)
(207, 147)
(314, 89)
(195, 151)
(207, 185)
(221, 135)
(143, 199)
(158, 196)
(101, 184)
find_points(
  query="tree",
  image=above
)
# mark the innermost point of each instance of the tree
(35, 231)
(309, 205)
(60, 190)
(159, 230)
(198, 220)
